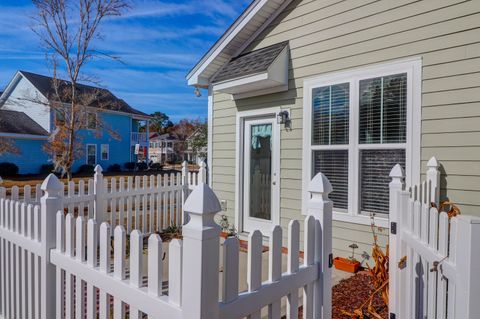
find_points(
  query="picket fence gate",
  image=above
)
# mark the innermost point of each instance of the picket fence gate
(55, 264)
(150, 203)
(434, 259)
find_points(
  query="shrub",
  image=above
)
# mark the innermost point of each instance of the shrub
(114, 168)
(142, 166)
(129, 166)
(8, 169)
(156, 166)
(46, 169)
(85, 169)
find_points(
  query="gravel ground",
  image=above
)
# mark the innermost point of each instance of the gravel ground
(351, 293)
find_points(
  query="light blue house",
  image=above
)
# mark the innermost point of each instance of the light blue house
(27, 120)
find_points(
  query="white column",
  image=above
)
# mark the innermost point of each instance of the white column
(185, 189)
(395, 216)
(201, 255)
(50, 204)
(320, 207)
(99, 210)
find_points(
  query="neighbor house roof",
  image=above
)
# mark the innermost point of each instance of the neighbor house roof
(250, 63)
(97, 97)
(256, 17)
(14, 122)
(164, 137)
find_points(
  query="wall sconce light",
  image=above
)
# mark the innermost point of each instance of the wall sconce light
(283, 117)
(197, 92)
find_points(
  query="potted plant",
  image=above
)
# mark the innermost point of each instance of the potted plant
(349, 264)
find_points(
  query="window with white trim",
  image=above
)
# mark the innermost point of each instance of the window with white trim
(91, 156)
(105, 150)
(355, 132)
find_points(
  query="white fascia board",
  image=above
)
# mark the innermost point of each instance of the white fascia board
(195, 75)
(221, 86)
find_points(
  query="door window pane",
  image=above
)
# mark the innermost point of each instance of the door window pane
(375, 176)
(330, 114)
(260, 171)
(334, 165)
(383, 110)
(105, 151)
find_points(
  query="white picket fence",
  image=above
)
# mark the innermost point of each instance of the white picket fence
(440, 277)
(58, 265)
(149, 203)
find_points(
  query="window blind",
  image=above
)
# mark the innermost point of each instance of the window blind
(383, 109)
(334, 164)
(374, 174)
(330, 114)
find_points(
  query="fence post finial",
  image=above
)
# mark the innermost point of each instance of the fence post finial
(320, 207)
(99, 207)
(50, 203)
(200, 255)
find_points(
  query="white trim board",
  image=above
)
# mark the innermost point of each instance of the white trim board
(413, 68)
(262, 112)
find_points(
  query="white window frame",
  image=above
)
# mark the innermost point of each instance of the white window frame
(413, 68)
(108, 152)
(96, 120)
(86, 153)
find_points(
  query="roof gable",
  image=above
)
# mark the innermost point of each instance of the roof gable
(94, 96)
(258, 15)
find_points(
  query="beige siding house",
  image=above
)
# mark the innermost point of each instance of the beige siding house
(365, 84)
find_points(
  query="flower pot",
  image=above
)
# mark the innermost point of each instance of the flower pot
(346, 264)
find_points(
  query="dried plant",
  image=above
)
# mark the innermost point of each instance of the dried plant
(379, 277)
(447, 206)
(7, 146)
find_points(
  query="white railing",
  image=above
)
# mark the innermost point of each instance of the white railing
(139, 138)
(434, 259)
(73, 268)
(149, 203)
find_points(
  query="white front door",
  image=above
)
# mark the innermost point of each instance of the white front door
(260, 177)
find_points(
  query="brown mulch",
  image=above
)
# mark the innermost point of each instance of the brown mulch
(352, 292)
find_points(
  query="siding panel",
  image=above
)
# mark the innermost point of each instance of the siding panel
(331, 36)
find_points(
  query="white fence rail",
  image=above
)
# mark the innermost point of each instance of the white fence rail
(55, 264)
(149, 203)
(440, 277)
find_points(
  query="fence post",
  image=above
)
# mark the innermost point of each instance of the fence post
(320, 207)
(202, 173)
(433, 180)
(468, 267)
(51, 203)
(201, 255)
(185, 190)
(395, 216)
(99, 210)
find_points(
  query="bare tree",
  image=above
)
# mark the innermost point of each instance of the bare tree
(67, 28)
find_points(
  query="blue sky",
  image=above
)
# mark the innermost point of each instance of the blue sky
(157, 41)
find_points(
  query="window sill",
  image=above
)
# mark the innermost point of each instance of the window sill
(360, 219)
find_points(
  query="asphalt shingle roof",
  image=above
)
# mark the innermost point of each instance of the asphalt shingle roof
(250, 63)
(97, 97)
(19, 123)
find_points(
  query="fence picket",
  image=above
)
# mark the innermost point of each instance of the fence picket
(105, 244)
(119, 260)
(231, 248)
(175, 272)
(136, 266)
(70, 251)
(59, 272)
(443, 250)
(275, 267)
(155, 265)
(452, 286)
(80, 256)
(309, 254)
(292, 266)
(92, 244)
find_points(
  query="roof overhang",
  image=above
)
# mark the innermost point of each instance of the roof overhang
(258, 15)
(274, 79)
